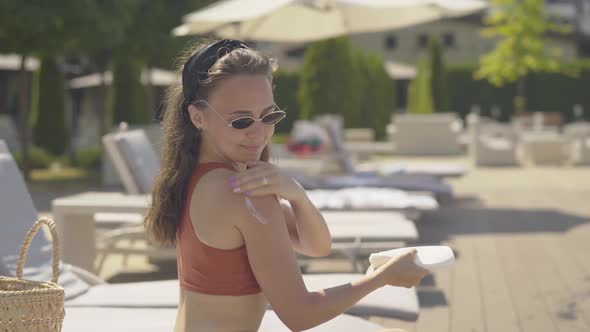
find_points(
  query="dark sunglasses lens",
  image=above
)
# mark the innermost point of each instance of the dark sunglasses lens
(273, 118)
(242, 123)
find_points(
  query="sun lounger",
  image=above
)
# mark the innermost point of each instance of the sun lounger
(132, 153)
(18, 215)
(3, 147)
(157, 320)
(389, 301)
(342, 151)
(81, 286)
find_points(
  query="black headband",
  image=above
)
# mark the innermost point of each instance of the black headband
(196, 68)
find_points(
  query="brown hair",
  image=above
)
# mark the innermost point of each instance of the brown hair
(181, 140)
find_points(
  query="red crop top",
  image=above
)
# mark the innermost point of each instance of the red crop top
(205, 269)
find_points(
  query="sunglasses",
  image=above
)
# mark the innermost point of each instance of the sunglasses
(244, 122)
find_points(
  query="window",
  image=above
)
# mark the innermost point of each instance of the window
(422, 40)
(390, 42)
(296, 53)
(448, 40)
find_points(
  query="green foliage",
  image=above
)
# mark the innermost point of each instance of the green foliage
(420, 91)
(378, 95)
(128, 95)
(546, 92)
(89, 158)
(330, 81)
(39, 158)
(286, 85)
(520, 27)
(440, 94)
(50, 132)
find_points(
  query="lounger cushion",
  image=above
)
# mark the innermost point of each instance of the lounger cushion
(157, 320)
(370, 226)
(394, 302)
(140, 157)
(3, 146)
(360, 198)
(408, 182)
(18, 215)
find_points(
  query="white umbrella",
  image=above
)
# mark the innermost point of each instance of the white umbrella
(310, 20)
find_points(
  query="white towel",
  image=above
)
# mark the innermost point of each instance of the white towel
(427, 256)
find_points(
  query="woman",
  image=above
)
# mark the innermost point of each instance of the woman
(217, 199)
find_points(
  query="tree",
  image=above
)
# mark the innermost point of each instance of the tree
(128, 95)
(378, 94)
(50, 132)
(149, 40)
(521, 27)
(439, 84)
(29, 28)
(420, 90)
(330, 81)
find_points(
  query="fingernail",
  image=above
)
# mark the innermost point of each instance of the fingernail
(232, 182)
(237, 189)
(247, 193)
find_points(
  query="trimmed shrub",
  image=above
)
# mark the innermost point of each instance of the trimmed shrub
(286, 85)
(128, 100)
(439, 84)
(378, 95)
(420, 91)
(50, 132)
(39, 158)
(330, 81)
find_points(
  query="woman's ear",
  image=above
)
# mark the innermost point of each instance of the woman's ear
(196, 116)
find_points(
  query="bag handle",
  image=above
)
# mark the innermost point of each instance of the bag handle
(27, 243)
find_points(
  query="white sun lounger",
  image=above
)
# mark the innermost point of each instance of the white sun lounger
(19, 213)
(389, 301)
(158, 320)
(135, 161)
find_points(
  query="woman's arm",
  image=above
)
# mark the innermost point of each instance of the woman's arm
(307, 227)
(275, 266)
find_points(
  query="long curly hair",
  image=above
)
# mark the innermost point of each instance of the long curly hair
(181, 141)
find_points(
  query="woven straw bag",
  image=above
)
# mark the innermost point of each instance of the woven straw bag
(32, 306)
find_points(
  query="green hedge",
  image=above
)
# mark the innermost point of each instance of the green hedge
(544, 92)
(286, 85)
(39, 158)
(89, 158)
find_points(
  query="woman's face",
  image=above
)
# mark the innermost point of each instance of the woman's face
(235, 97)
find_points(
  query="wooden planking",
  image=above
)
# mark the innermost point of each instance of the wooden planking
(576, 278)
(499, 310)
(543, 273)
(531, 310)
(466, 297)
(437, 318)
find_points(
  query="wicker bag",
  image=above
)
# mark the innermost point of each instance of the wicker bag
(33, 306)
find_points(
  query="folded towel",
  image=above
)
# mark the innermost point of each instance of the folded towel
(427, 256)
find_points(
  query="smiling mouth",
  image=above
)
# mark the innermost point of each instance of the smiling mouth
(251, 147)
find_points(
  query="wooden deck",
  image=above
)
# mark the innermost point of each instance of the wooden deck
(523, 257)
(522, 241)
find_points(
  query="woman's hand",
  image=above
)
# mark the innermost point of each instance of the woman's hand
(402, 271)
(262, 178)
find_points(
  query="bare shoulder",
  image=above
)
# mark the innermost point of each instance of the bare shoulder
(212, 210)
